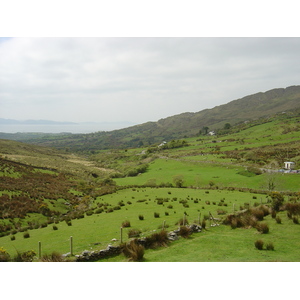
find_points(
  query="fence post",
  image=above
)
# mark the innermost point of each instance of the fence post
(40, 250)
(163, 227)
(71, 245)
(199, 218)
(121, 233)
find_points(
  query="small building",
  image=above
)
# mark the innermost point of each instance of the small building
(289, 165)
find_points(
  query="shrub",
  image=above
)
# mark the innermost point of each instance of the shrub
(270, 246)
(156, 215)
(295, 220)
(141, 217)
(203, 224)
(293, 208)
(134, 251)
(170, 206)
(262, 228)
(278, 220)
(13, 237)
(26, 256)
(166, 213)
(184, 231)
(182, 221)
(257, 213)
(99, 210)
(157, 239)
(277, 200)
(55, 227)
(126, 224)
(134, 233)
(4, 256)
(26, 235)
(53, 257)
(259, 244)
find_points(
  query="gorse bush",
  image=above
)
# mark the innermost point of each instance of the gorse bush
(4, 256)
(26, 256)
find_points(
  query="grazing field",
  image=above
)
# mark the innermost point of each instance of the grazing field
(47, 195)
(170, 203)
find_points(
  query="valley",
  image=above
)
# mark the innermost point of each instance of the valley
(229, 183)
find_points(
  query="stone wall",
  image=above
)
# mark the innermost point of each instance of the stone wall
(111, 251)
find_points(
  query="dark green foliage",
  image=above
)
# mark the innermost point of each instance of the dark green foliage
(26, 256)
(259, 244)
(141, 217)
(295, 220)
(26, 235)
(55, 227)
(156, 215)
(278, 220)
(277, 200)
(270, 246)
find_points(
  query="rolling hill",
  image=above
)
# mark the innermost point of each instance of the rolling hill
(259, 105)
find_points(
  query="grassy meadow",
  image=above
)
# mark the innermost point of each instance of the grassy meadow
(89, 195)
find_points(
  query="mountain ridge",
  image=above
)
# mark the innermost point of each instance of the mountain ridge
(251, 107)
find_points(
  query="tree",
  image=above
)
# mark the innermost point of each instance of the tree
(205, 130)
(227, 126)
(277, 200)
(178, 180)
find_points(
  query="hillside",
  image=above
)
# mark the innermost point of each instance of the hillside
(49, 195)
(179, 126)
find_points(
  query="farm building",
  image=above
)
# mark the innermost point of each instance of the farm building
(289, 165)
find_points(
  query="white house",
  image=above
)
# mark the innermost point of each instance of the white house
(289, 165)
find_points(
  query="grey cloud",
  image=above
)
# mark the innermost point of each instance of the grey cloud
(137, 79)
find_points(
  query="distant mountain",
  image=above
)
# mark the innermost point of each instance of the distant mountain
(188, 124)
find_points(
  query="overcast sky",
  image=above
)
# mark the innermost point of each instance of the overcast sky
(137, 79)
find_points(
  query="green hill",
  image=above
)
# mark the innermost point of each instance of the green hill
(49, 195)
(251, 107)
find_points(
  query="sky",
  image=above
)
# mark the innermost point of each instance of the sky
(137, 79)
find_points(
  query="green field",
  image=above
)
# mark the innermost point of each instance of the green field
(203, 175)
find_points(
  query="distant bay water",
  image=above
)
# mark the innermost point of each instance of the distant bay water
(59, 128)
